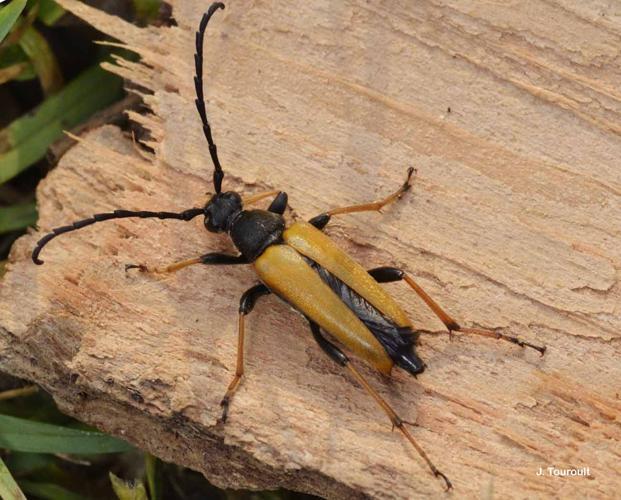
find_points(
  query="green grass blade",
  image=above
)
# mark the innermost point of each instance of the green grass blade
(19, 434)
(12, 72)
(94, 80)
(13, 56)
(128, 490)
(9, 15)
(8, 487)
(26, 140)
(24, 464)
(153, 466)
(48, 491)
(49, 12)
(17, 216)
(146, 10)
(43, 60)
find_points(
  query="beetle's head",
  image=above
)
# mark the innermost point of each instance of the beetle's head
(220, 211)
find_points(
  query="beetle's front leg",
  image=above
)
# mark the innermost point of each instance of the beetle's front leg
(214, 258)
(321, 220)
(278, 205)
(246, 304)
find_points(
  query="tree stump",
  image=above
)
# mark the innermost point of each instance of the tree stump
(511, 114)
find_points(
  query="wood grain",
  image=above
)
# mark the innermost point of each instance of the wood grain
(510, 111)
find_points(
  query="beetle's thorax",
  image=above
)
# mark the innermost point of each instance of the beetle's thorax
(252, 231)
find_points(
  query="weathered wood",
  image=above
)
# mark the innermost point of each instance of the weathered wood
(511, 114)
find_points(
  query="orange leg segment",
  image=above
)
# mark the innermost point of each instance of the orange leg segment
(341, 358)
(376, 205)
(321, 220)
(278, 205)
(399, 424)
(143, 268)
(387, 274)
(258, 197)
(215, 258)
(239, 371)
(246, 304)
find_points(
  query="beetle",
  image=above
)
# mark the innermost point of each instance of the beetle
(342, 302)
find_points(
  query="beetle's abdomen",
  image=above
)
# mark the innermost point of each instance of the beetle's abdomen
(286, 273)
(253, 231)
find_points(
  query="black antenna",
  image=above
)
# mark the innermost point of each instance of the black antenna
(117, 214)
(218, 174)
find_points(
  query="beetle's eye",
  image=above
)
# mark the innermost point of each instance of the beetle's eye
(209, 224)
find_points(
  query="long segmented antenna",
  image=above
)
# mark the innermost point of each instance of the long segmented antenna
(218, 174)
(117, 214)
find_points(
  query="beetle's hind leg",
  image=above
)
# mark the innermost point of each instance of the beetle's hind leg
(321, 220)
(246, 304)
(341, 358)
(389, 274)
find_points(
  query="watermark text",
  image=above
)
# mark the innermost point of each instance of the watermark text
(564, 472)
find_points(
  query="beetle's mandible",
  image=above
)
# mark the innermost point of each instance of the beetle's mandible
(302, 266)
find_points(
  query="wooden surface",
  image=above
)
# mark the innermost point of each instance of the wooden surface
(509, 111)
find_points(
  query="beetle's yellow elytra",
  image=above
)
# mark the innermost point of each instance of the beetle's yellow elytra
(312, 243)
(287, 274)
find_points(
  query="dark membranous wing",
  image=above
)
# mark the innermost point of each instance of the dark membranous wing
(397, 341)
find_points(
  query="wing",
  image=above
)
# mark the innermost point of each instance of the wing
(398, 341)
(315, 245)
(287, 274)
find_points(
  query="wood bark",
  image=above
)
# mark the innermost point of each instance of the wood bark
(510, 111)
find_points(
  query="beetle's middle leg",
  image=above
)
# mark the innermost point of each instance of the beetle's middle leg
(389, 274)
(341, 358)
(246, 304)
(321, 220)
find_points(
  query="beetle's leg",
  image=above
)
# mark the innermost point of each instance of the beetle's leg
(209, 258)
(246, 304)
(388, 274)
(278, 205)
(249, 200)
(321, 220)
(341, 358)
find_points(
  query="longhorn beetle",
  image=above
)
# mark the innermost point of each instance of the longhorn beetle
(302, 266)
